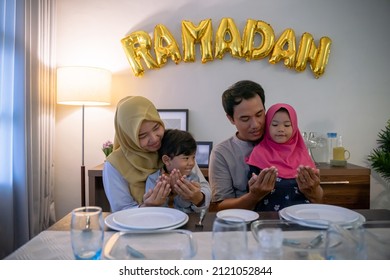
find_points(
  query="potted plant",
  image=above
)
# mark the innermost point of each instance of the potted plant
(380, 159)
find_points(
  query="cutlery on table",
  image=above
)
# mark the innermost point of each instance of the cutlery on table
(134, 253)
(202, 215)
(314, 243)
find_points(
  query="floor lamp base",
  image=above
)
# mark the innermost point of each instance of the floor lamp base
(82, 185)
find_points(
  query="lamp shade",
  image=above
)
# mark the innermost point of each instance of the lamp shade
(83, 86)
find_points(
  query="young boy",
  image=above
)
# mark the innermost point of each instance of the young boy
(177, 152)
(284, 149)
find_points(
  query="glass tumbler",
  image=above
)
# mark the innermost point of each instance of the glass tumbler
(345, 243)
(87, 232)
(229, 239)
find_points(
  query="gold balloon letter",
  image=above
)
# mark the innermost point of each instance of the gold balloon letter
(227, 39)
(281, 51)
(308, 52)
(192, 34)
(321, 57)
(305, 51)
(267, 39)
(137, 45)
(165, 45)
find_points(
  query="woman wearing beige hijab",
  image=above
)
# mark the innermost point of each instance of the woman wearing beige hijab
(138, 133)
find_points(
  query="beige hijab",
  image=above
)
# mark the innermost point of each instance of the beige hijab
(133, 162)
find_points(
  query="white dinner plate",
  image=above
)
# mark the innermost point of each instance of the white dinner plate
(109, 221)
(246, 215)
(330, 213)
(321, 224)
(148, 218)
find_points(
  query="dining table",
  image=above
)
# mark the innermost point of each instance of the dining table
(54, 242)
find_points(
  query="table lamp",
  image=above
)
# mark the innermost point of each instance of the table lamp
(83, 86)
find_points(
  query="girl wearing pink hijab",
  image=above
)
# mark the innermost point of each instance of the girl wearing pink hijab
(283, 148)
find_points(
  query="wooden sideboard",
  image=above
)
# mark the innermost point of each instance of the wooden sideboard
(347, 186)
(96, 193)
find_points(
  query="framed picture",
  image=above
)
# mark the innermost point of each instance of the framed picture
(174, 118)
(203, 151)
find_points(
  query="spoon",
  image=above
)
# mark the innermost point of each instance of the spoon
(202, 215)
(314, 243)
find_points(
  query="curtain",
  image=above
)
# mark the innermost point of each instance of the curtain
(27, 104)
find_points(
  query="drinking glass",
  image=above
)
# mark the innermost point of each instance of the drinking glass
(229, 239)
(377, 239)
(270, 244)
(345, 243)
(87, 231)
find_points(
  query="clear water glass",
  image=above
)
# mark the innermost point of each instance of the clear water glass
(229, 239)
(270, 244)
(345, 242)
(87, 232)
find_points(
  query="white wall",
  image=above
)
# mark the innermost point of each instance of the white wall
(351, 98)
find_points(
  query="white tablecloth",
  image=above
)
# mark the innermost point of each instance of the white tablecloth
(55, 245)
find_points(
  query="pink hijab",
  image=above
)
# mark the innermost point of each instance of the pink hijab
(285, 157)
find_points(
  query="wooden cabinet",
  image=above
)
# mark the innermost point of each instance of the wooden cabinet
(96, 195)
(347, 186)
